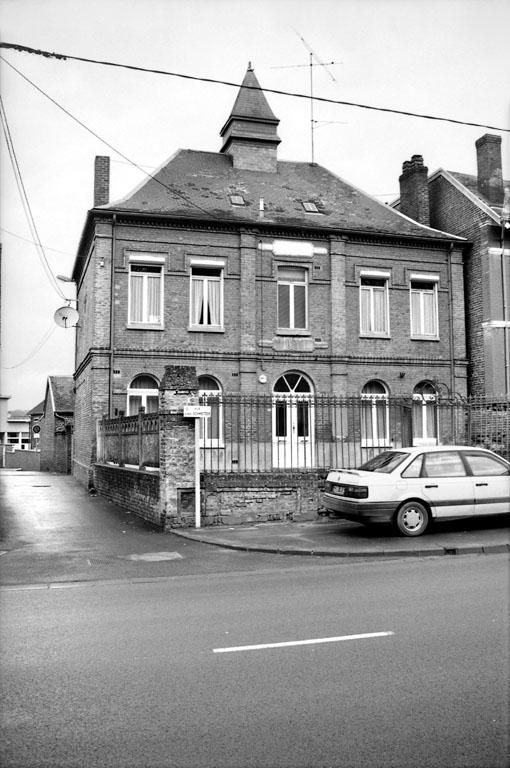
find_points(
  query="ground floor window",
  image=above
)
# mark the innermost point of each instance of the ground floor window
(143, 392)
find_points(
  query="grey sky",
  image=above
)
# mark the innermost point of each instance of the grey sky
(441, 57)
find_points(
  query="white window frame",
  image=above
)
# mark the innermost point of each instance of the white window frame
(375, 440)
(143, 394)
(211, 264)
(291, 328)
(374, 275)
(149, 260)
(433, 281)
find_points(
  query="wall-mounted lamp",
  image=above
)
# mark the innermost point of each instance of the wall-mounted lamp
(402, 375)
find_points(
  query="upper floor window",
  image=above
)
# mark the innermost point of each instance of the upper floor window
(292, 298)
(143, 392)
(424, 319)
(145, 300)
(374, 315)
(206, 298)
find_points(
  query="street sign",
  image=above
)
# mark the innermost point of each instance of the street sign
(36, 429)
(196, 411)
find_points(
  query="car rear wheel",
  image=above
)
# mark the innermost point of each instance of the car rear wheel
(412, 519)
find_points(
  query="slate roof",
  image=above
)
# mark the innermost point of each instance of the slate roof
(63, 395)
(471, 183)
(197, 185)
(251, 102)
(37, 409)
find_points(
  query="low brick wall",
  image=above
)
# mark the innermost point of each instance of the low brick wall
(25, 460)
(234, 499)
(132, 489)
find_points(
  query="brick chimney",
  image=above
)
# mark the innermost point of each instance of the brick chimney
(101, 180)
(414, 190)
(490, 175)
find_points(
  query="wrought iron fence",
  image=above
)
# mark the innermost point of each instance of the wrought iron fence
(251, 433)
(258, 433)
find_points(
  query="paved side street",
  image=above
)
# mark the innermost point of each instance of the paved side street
(53, 530)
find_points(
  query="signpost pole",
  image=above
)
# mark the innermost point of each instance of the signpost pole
(197, 471)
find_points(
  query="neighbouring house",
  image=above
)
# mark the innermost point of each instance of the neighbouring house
(18, 429)
(475, 207)
(56, 425)
(269, 277)
(36, 414)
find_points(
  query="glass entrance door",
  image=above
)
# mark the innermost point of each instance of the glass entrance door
(293, 422)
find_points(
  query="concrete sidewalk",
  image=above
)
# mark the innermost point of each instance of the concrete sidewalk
(341, 538)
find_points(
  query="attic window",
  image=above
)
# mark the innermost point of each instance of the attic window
(237, 200)
(310, 207)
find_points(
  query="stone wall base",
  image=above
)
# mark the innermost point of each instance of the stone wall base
(231, 499)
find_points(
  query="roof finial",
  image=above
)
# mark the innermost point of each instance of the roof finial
(250, 68)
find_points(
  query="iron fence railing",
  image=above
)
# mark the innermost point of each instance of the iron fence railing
(258, 433)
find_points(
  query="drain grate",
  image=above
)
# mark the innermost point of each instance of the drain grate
(105, 560)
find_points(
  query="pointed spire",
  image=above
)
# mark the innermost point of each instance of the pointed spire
(249, 135)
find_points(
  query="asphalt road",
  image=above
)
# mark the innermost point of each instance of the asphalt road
(132, 673)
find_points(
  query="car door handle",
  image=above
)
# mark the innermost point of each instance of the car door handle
(479, 484)
(431, 486)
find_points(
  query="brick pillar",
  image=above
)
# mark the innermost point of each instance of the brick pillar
(338, 315)
(177, 447)
(248, 318)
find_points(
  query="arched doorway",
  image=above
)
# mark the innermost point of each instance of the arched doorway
(293, 422)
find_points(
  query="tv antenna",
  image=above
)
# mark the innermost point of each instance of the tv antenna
(313, 61)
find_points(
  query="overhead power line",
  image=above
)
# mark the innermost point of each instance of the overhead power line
(40, 344)
(65, 57)
(140, 168)
(26, 203)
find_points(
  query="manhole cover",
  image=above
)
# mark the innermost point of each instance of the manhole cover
(154, 557)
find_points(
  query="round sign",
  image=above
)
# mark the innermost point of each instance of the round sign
(36, 429)
(66, 317)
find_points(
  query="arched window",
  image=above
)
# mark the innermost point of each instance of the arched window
(374, 414)
(211, 428)
(142, 393)
(424, 414)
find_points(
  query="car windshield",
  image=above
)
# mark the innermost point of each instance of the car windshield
(384, 462)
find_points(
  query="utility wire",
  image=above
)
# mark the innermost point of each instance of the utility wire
(169, 188)
(65, 57)
(27, 240)
(26, 203)
(49, 332)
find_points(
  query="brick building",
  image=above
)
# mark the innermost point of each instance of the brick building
(474, 207)
(268, 276)
(56, 425)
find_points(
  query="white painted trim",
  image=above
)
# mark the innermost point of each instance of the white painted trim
(145, 258)
(374, 273)
(425, 276)
(205, 262)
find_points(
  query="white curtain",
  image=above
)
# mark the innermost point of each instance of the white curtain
(213, 292)
(197, 301)
(153, 299)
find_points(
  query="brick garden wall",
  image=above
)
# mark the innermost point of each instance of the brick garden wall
(132, 489)
(25, 460)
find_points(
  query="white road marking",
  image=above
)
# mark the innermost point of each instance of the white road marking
(314, 641)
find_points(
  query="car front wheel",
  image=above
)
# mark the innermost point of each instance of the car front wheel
(412, 519)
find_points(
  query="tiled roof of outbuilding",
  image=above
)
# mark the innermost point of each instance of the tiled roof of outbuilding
(194, 184)
(62, 388)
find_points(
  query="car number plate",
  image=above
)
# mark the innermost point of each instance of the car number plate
(339, 490)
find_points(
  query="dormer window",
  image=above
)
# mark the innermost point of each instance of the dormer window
(237, 200)
(310, 207)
